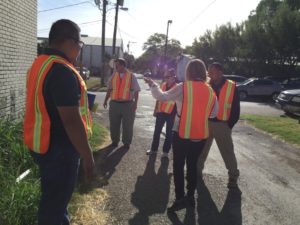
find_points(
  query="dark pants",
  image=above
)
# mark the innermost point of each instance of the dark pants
(189, 151)
(58, 178)
(161, 119)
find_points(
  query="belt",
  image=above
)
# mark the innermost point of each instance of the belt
(121, 101)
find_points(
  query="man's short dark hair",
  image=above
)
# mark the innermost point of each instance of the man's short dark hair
(121, 61)
(217, 65)
(63, 29)
(172, 72)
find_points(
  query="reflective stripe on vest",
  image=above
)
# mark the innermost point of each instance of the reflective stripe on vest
(121, 87)
(167, 106)
(37, 123)
(198, 100)
(225, 100)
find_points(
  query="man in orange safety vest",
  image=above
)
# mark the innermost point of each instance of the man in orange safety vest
(57, 122)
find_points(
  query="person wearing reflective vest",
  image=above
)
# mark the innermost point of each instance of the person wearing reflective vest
(123, 91)
(164, 112)
(221, 126)
(196, 102)
(57, 122)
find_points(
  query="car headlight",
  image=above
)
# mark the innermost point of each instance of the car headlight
(296, 99)
(284, 97)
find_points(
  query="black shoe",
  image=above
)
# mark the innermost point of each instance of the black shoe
(190, 201)
(113, 145)
(177, 205)
(126, 146)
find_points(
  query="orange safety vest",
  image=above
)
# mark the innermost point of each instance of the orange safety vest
(37, 123)
(198, 100)
(225, 100)
(121, 86)
(166, 106)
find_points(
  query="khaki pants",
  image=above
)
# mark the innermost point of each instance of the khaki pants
(121, 112)
(222, 134)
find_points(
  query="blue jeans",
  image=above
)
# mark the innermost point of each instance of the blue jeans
(58, 177)
(161, 119)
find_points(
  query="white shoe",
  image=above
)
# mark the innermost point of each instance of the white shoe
(165, 155)
(150, 152)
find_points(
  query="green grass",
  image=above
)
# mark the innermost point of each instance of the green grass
(94, 85)
(285, 128)
(19, 201)
(99, 134)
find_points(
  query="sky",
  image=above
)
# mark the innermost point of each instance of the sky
(190, 18)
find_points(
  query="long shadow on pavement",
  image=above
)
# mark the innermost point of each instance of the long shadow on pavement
(151, 194)
(106, 160)
(189, 218)
(208, 213)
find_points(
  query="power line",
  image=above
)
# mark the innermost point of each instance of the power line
(203, 11)
(65, 6)
(84, 23)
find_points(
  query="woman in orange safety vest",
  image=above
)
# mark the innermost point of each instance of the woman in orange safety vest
(196, 102)
(164, 112)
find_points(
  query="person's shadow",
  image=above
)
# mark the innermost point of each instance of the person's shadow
(189, 218)
(106, 160)
(151, 194)
(208, 213)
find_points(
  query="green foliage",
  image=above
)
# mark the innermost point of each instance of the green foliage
(154, 52)
(18, 201)
(267, 43)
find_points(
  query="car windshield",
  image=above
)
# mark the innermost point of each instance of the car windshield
(247, 81)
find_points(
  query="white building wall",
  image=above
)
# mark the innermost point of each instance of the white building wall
(18, 48)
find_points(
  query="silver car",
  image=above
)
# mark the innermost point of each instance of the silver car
(289, 101)
(259, 88)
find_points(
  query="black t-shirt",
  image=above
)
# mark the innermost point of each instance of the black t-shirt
(61, 88)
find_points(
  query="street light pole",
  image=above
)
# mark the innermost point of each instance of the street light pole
(166, 44)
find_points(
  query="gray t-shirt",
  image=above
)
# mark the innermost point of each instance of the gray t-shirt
(134, 85)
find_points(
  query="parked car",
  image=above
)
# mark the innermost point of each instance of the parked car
(238, 79)
(85, 74)
(291, 83)
(259, 88)
(289, 101)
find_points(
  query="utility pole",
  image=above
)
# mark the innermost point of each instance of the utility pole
(115, 29)
(103, 42)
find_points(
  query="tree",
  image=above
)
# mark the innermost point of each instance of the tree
(153, 57)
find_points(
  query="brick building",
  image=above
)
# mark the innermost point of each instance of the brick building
(18, 48)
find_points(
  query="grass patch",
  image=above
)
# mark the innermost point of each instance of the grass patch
(94, 85)
(88, 202)
(285, 128)
(18, 201)
(99, 134)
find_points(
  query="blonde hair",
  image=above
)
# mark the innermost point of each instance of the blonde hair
(196, 70)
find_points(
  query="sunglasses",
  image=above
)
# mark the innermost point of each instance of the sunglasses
(80, 43)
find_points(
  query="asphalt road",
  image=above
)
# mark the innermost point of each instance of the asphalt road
(141, 188)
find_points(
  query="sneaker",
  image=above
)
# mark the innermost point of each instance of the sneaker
(165, 155)
(150, 152)
(232, 182)
(190, 201)
(177, 205)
